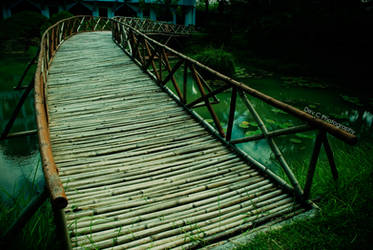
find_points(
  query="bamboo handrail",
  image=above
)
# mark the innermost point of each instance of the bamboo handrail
(148, 26)
(51, 39)
(313, 121)
(140, 42)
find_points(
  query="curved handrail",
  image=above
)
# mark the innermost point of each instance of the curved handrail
(153, 57)
(314, 121)
(51, 39)
(149, 26)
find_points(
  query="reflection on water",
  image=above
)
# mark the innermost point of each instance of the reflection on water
(20, 167)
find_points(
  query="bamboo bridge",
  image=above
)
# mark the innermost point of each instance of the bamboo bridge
(129, 163)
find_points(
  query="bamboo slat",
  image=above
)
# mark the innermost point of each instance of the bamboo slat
(138, 171)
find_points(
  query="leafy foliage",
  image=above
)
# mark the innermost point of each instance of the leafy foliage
(55, 18)
(21, 31)
(217, 59)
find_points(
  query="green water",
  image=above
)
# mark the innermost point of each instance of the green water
(21, 174)
(323, 100)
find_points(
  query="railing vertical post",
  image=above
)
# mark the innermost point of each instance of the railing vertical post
(208, 104)
(61, 228)
(275, 149)
(185, 82)
(172, 77)
(311, 170)
(12, 119)
(329, 154)
(231, 113)
(31, 62)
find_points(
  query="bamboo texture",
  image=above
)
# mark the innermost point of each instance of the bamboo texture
(136, 168)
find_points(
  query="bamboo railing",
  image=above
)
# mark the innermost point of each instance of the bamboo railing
(154, 58)
(52, 38)
(149, 27)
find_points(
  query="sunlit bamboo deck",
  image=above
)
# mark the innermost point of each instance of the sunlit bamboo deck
(139, 171)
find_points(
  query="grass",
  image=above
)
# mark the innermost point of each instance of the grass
(345, 220)
(39, 231)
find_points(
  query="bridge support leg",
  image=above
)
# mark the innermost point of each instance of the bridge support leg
(95, 11)
(110, 12)
(6, 13)
(45, 12)
(173, 11)
(153, 15)
(61, 229)
(190, 16)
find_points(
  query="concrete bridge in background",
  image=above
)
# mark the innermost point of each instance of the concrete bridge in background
(110, 8)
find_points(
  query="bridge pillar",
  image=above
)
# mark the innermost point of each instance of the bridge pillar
(110, 12)
(6, 12)
(173, 11)
(45, 11)
(153, 15)
(140, 14)
(190, 16)
(95, 11)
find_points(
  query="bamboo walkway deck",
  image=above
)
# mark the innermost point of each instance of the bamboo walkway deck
(139, 171)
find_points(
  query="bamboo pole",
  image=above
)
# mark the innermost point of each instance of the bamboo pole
(172, 72)
(289, 173)
(225, 211)
(185, 83)
(28, 66)
(170, 207)
(168, 67)
(329, 154)
(18, 107)
(211, 94)
(339, 133)
(209, 107)
(151, 60)
(311, 169)
(231, 114)
(168, 236)
(203, 81)
(275, 133)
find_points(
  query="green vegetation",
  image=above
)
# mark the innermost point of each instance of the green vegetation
(217, 59)
(38, 233)
(20, 31)
(19, 41)
(55, 18)
(345, 220)
(13, 66)
(323, 39)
